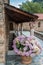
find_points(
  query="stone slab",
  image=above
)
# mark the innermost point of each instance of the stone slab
(2, 64)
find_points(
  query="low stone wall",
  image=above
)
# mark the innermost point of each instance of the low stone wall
(39, 35)
(26, 26)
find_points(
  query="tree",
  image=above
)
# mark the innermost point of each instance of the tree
(37, 1)
(32, 7)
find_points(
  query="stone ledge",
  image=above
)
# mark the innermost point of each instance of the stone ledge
(2, 64)
(39, 35)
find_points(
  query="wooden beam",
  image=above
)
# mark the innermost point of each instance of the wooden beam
(14, 9)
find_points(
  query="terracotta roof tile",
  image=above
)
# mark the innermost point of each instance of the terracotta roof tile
(40, 16)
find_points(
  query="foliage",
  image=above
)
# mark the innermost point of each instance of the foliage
(26, 46)
(32, 7)
(37, 1)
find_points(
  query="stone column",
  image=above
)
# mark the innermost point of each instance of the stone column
(17, 29)
(31, 29)
(3, 36)
(21, 28)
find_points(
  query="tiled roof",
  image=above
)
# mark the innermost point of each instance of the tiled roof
(17, 15)
(40, 16)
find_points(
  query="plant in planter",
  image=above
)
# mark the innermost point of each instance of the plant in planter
(26, 47)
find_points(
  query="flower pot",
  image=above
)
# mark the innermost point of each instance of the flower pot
(26, 59)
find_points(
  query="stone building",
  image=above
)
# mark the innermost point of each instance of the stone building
(9, 14)
(38, 24)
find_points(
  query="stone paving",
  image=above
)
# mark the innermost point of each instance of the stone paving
(15, 60)
(2, 64)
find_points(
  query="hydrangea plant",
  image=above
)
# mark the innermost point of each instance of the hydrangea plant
(26, 46)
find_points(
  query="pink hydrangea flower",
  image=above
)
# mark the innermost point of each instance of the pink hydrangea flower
(25, 46)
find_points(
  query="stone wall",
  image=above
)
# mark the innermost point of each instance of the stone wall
(26, 26)
(39, 35)
(3, 38)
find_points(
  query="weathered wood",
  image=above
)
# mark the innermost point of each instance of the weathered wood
(19, 16)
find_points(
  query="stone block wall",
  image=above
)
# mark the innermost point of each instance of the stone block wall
(3, 38)
(26, 26)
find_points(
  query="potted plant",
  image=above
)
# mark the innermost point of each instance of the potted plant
(26, 47)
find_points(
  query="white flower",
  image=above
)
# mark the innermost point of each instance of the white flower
(25, 48)
(32, 41)
(36, 49)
